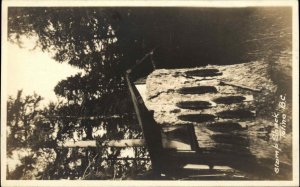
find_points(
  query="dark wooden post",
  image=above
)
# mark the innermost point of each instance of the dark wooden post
(151, 130)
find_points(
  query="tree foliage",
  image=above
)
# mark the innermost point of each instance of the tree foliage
(22, 114)
(28, 135)
(181, 36)
(36, 133)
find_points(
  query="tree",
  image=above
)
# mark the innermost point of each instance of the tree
(40, 131)
(22, 113)
(95, 52)
(25, 134)
(182, 35)
(85, 38)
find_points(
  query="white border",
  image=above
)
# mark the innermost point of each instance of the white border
(149, 3)
(55, 3)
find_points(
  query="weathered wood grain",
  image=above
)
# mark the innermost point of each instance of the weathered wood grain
(233, 124)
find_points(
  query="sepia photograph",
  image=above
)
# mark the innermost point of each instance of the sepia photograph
(149, 93)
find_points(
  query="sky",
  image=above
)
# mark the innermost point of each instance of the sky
(34, 71)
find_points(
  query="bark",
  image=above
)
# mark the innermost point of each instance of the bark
(233, 121)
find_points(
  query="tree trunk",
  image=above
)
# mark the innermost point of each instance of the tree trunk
(234, 122)
(89, 132)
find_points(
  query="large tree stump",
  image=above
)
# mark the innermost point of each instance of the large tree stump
(232, 109)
